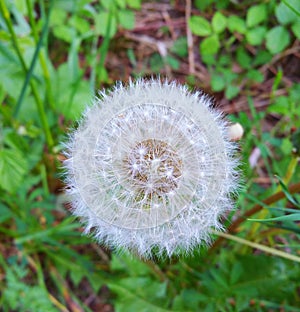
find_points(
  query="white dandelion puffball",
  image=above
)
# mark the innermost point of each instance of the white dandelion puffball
(150, 167)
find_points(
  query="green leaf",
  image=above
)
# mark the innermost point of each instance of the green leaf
(236, 24)
(5, 213)
(126, 19)
(180, 47)
(277, 39)
(284, 14)
(173, 62)
(126, 262)
(219, 22)
(138, 294)
(290, 217)
(281, 106)
(80, 24)
(236, 272)
(256, 14)
(13, 167)
(296, 29)
(255, 75)
(72, 96)
(217, 82)
(200, 26)
(286, 192)
(243, 58)
(64, 32)
(286, 146)
(189, 299)
(102, 24)
(135, 4)
(210, 45)
(121, 3)
(262, 57)
(255, 36)
(231, 92)
(57, 17)
(20, 296)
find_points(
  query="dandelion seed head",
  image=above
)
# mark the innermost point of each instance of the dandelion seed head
(150, 167)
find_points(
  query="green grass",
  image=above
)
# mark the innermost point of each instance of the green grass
(54, 56)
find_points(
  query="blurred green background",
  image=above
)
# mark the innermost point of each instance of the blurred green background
(54, 56)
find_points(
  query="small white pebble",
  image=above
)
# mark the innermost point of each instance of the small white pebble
(235, 132)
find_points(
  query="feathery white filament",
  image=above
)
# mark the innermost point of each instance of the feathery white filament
(150, 166)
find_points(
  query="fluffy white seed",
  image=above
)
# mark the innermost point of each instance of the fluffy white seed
(150, 167)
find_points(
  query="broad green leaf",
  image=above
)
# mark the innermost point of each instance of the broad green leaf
(217, 82)
(284, 14)
(256, 14)
(107, 4)
(231, 92)
(126, 19)
(57, 17)
(81, 25)
(262, 57)
(13, 167)
(103, 23)
(64, 32)
(200, 26)
(255, 36)
(293, 5)
(134, 4)
(180, 47)
(236, 24)
(173, 62)
(71, 96)
(296, 29)
(219, 22)
(236, 272)
(121, 3)
(255, 75)
(281, 105)
(277, 39)
(210, 45)
(243, 58)
(5, 213)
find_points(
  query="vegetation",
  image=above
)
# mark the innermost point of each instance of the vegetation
(54, 56)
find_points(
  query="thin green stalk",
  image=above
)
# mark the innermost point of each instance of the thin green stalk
(106, 40)
(43, 171)
(37, 98)
(93, 64)
(266, 249)
(30, 71)
(37, 42)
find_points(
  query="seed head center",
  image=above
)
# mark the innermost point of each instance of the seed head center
(154, 168)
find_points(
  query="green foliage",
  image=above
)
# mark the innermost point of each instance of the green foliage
(19, 296)
(256, 29)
